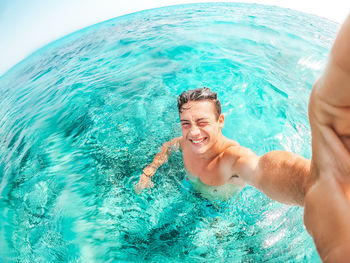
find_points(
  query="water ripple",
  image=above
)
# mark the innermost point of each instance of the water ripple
(82, 117)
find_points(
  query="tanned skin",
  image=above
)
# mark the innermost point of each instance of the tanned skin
(217, 160)
(327, 199)
(322, 186)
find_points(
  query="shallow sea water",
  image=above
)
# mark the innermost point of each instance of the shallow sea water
(81, 118)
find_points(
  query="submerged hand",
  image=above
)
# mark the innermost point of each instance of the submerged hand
(144, 182)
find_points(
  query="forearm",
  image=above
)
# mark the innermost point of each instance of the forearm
(151, 169)
(333, 86)
(158, 160)
(341, 48)
(283, 176)
(161, 157)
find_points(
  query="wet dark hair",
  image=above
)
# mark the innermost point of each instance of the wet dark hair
(199, 95)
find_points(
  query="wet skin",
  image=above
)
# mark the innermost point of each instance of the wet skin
(323, 185)
(218, 161)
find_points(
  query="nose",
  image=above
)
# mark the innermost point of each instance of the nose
(194, 131)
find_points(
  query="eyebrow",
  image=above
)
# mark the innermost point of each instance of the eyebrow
(200, 119)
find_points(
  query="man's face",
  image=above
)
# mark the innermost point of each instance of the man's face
(200, 126)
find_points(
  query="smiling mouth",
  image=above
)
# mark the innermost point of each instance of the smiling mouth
(198, 141)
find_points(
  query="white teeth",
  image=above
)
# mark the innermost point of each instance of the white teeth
(197, 141)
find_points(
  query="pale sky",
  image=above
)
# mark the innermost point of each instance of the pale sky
(27, 25)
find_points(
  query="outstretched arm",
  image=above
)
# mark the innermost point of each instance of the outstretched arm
(323, 186)
(283, 176)
(159, 159)
(327, 203)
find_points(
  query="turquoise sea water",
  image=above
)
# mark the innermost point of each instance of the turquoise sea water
(81, 118)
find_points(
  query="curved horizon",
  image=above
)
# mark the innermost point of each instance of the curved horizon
(26, 27)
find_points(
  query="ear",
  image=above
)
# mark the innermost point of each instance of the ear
(221, 120)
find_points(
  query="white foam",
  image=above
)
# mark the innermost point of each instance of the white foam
(310, 63)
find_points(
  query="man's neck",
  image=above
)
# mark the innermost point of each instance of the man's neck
(215, 150)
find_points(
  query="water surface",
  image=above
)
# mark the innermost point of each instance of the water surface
(81, 118)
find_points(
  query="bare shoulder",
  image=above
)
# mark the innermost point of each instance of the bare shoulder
(235, 150)
(240, 158)
(242, 161)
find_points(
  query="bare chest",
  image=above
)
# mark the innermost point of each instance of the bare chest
(213, 172)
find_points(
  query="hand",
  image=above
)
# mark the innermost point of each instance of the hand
(144, 182)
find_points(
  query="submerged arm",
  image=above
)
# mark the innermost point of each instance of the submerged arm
(159, 159)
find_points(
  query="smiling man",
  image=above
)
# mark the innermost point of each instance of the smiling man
(219, 167)
(324, 188)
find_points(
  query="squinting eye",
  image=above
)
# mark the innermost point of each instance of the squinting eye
(202, 123)
(185, 125)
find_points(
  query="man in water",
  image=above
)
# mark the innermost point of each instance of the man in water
(322, 186)
(218, 166)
